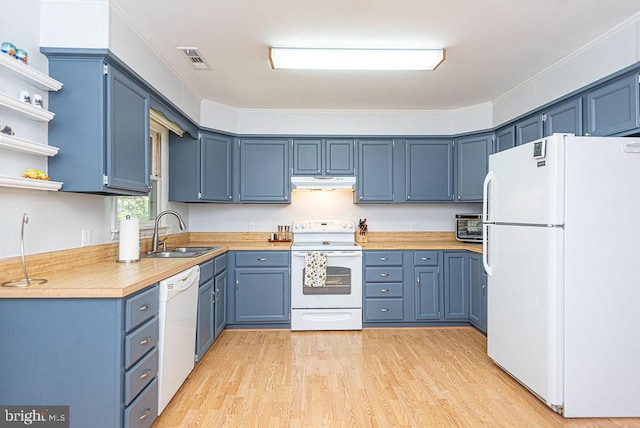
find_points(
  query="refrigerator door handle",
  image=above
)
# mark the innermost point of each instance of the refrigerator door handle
(485, 249)
(485, 196)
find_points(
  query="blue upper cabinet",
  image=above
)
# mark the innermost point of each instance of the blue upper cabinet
(472, 163)
(307, 156)
(323, 157)
(529, 129)
(101, 127)
(200, 169)
(215, 164)
(339, 156)
(375, 171)
(263, 172)
(505, 138)
(613, 108)
(566, 118)
(429, 170)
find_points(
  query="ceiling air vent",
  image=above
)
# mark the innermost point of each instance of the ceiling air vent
(194, 58)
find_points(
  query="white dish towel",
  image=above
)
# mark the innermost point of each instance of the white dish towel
(315, 265)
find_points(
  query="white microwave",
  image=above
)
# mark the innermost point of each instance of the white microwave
(469, 227)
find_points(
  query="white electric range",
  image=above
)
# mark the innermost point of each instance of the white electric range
(326, 276)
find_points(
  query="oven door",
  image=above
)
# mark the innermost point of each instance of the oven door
(343, 285)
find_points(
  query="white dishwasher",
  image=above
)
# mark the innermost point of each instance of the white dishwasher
(177, 342)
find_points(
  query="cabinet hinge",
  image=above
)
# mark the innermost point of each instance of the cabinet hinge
(195, 359)
(639, 78)
(105, 179)
(199, 195)
(544, 117)
(289, 316)
(493, 138)
(199, 135)
(105, 69)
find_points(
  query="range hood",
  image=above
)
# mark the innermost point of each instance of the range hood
(322, 183)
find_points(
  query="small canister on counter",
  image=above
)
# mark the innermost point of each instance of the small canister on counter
(9, 49)
(21, 55)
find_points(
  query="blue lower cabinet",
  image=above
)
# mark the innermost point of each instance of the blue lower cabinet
(85, 354)
(477, 292)
(259, 292)
(427, 293)
(212, 318)
(456, 286)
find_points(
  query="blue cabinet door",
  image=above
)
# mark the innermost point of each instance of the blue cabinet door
(505, 138)
(184, 168)
(427, 293)
(262, 295)
(566, 117)
(101, 126)
(429, 170)
(204, 332)
(456, 286)
(127, 141)
(215, 164)
(220, 302)
(613, 108)
(307, 156)
(472, 163)
(339, 156)
(264, 170)
(477, 292)
(529, 129)
(375, 170)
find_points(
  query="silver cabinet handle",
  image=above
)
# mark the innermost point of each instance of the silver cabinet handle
(484, 287)
(145, 307)
(384, 275)
(286, 198)
(384, 309)
(328, 171)
(237, 283)
(318, 171)
(425, 258)
(361, 197)
(145, 374)
(458, 197)
(418, 283)
(146, 413)
(384, 259)
(384, 290)
(230, 197)
(145, 340)
(261, 259)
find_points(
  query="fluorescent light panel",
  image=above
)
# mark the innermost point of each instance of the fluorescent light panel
(356, 59)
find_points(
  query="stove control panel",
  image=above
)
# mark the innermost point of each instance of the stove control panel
(327, 226)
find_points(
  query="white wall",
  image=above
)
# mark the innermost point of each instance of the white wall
(335, 204)
(346, 122)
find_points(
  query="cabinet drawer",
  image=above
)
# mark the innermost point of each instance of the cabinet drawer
(262, 258)
(144, 409)
(425, 258)
(141, 307)
(393, 289)
(140, 376)
(383, 309)
(206, 271)
(220, 263)
(383, 258)
(140, 342)
(383, 274)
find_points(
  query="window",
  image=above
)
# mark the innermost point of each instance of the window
(146, 208)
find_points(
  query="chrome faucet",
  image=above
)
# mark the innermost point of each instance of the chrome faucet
(155, 240)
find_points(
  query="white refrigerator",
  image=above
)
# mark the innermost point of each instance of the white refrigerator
(561, 219)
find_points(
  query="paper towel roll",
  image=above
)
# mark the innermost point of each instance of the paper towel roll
(129, 245)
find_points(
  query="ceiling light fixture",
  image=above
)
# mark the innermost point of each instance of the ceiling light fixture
(356, 59)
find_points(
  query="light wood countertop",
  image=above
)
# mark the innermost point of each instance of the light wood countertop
(93, 272)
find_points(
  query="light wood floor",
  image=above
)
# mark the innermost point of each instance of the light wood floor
(419, 377)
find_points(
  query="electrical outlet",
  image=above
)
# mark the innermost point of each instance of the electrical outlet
(412, 225)
(86, 237)
(252, 227)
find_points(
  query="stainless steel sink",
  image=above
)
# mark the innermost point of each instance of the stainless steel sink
(181, 252)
